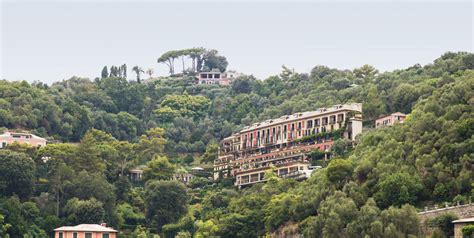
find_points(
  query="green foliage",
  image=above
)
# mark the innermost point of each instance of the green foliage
(341, 147)
(165, 201)
(131, 216)
(202, 59)
(4, 227)
(19, 219)
(339, 171)
(88, 156)
(184, 105)
(336, 134)
(84, 211)
(206, 229)
(363, 193)
(468, 230)
(199, 182)
(151, 144)
(87, 186)
(316, 155)
(443, 223)
(211, 153)
(16, 174)
(185, 224)
(183, 234)
(398, 189)
(159, 168)
(143, 232)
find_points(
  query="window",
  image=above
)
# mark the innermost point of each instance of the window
(216, 76)
(316, 122)
(325, 121)
(60, 235)
(88, 235)
(74, 235)
(204, 76)
(105, 235)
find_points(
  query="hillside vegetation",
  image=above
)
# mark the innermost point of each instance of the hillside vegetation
(104, 127)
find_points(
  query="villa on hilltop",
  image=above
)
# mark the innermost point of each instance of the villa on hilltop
(10, 137)
(283, 143)
(215, 77)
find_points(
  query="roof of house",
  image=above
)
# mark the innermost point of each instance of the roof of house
(86, 227)
(10, 133)
(138, 169)
(303, 115)
(465, 220)
(393, 114)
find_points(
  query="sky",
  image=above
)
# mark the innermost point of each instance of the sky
(51, 41)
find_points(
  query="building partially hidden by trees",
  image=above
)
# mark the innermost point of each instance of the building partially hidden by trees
(10, 137)
(85, 231)
(283, 143)
(215, 77)
(391, 119)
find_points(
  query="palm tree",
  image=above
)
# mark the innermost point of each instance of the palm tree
(150, 72)
(138, 71)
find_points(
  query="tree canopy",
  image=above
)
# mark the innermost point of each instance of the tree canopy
(99, 130)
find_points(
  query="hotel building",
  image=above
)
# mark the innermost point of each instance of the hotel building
(283, 143)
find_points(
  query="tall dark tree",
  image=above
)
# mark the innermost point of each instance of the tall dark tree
(123, 68)
(105, 72)
(138, 71)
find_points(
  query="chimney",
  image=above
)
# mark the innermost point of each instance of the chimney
(103, 224)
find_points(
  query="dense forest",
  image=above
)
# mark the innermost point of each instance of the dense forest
(99, 129)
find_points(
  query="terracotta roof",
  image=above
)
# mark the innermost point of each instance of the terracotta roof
(86, 227)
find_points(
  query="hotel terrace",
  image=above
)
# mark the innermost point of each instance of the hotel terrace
(284, 142)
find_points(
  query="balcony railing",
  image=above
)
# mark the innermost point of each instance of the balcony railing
(299, 174)
(268, 163)
(295, 174)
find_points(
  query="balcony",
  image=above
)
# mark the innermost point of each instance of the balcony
(258, 176)
(266, 164)
(299, 174)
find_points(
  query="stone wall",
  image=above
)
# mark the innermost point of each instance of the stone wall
(462, 211)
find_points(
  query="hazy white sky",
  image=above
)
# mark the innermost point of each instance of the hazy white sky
(52, 40)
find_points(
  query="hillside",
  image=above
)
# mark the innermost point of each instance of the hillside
(104, 127)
